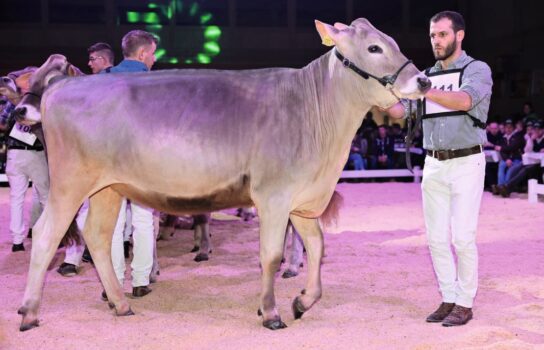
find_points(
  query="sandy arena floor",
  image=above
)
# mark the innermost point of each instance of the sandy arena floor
(377, 279)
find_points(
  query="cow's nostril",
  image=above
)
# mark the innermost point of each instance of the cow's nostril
(424, 84)
(20, 112)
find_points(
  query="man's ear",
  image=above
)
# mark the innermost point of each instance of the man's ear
(460, 35)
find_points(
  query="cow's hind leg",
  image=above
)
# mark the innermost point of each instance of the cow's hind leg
(202, 232)
(104, 208)
(312, 236)
(47, 234)
(273, 220)
(295, 254)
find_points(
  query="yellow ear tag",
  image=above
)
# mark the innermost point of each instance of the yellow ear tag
(327, 41)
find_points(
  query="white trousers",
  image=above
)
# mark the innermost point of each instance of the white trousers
(74, 252)
(452, 192)
(22, 166)
(143, 244)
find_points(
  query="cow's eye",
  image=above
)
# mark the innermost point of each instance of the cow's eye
(374, 49)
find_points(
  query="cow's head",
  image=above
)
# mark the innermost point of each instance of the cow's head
(15, 84)
(378, 58)
(28, 109)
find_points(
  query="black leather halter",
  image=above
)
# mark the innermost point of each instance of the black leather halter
(387, 80)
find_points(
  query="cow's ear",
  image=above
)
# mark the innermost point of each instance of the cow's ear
(23, 81)
(340, 26)
(73, 71)
(328, 33)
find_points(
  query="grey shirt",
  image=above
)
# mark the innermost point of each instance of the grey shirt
(456, 132)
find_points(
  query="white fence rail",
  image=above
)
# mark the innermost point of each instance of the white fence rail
(534, 190)
(368, 174)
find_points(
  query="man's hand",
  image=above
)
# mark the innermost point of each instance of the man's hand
(498, 148)
(509, 163)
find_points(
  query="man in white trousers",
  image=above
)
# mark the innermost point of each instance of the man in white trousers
(455, 112)
(139, 56)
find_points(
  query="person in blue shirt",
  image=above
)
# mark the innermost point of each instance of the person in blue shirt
(139, 56)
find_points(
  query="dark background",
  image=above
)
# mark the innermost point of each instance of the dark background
(507, 34)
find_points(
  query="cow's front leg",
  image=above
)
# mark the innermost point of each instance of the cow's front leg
(104, 209)
(312, 236)
(272, 235)
(46, 236)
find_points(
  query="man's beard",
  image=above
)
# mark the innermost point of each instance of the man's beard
(448, 51)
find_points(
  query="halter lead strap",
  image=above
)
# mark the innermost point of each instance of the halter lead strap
(387, 81)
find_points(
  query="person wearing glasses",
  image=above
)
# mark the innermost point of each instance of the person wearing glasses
(101, 57)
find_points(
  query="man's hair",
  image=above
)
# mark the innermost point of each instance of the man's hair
(135, 39)
(104, 49)
(457, 20)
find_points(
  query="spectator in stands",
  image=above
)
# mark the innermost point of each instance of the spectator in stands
(101, 57)
(494, 136)
(368, 122)
(357, 153)
(399, 143)
(511, 148)
(381, 152)
(535, 143)
(528, 113)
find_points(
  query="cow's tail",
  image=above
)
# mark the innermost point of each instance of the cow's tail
(72, 235)
(331, 213)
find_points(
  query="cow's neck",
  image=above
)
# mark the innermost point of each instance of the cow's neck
(341, 102)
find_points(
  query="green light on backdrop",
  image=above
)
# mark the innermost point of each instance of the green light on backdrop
(193, 10)
(203, 58)
(212, 33)
(159, 53)
(152, 19)
(205, 18)
(212, 48)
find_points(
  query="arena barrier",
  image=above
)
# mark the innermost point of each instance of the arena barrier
(534, 190)
(352, 174)
(369, 174)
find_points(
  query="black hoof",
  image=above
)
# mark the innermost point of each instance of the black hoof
(27, 326)
(298, 309)
(259, 312)
(195, 249)
(289, 274)
(201, 257)
(274, 324)
(128, 313)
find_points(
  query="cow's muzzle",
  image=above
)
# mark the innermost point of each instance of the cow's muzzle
(424, 84)
(19, 114)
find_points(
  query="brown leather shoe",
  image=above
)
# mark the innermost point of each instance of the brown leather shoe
(503, 190)
(440, 314)
(141, 291)
(495, 190)
(458, 316)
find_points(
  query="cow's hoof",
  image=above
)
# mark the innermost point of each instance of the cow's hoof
(201, 257)
(195, 249)
(127, 313)
(289, 274)
(274, 324)
(297, 308)
(25, 326)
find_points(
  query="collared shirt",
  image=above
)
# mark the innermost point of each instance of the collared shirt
(457, 132)
(128, 66)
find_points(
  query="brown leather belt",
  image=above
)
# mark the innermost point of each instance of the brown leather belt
(454, 153)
